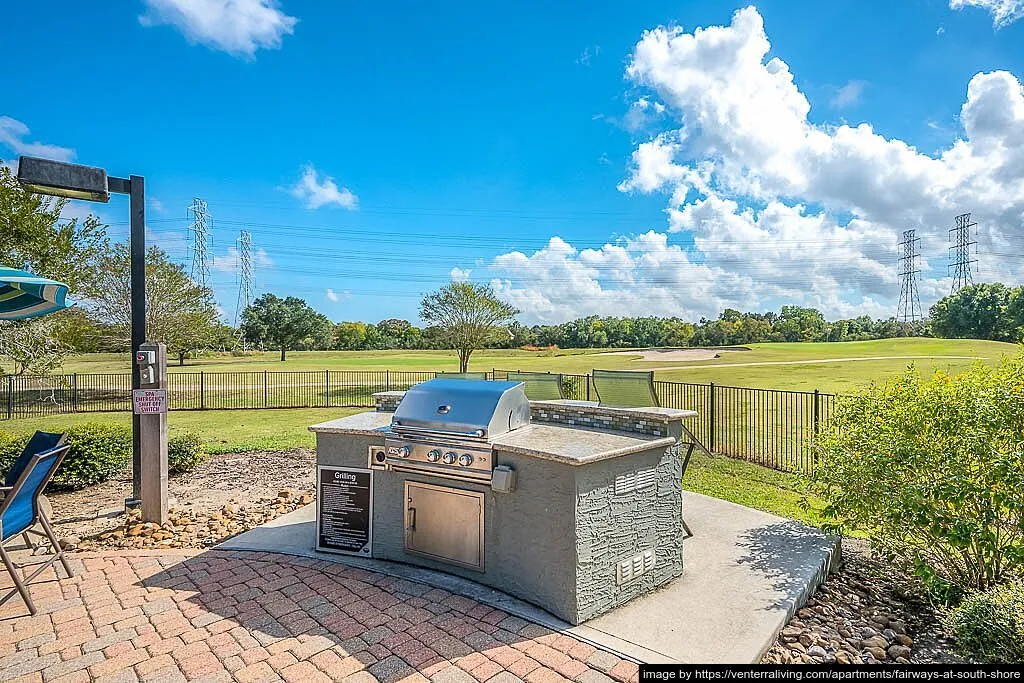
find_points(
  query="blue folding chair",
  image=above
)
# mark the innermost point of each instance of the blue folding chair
(39, 443)
(20, 511)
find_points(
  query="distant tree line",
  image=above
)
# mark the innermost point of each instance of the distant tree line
(791, 324)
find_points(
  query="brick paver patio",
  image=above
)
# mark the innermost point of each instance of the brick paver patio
(223, 616)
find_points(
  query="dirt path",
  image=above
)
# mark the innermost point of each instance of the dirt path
(809, 361)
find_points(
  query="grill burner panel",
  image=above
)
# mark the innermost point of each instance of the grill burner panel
(444, 427)
(448, 459)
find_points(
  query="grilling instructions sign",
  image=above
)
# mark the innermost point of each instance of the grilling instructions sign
(344, 505)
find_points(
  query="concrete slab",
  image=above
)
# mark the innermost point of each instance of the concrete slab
(746, 572)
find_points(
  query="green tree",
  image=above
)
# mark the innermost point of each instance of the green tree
(33, 236)
(349, 336)
(975, 312)
(179, 312)
(32, 346)
(470, 315)
(282, 323)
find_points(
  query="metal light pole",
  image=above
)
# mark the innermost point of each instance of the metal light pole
(89, 183)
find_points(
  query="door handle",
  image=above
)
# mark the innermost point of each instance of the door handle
(411, 520)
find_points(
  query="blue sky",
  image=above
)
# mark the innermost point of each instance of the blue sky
(500, 144)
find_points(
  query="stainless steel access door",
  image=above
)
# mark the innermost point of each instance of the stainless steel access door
(445, 524)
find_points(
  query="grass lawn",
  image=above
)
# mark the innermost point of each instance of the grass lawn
(796, 366)
(223, 431)
(235, 431)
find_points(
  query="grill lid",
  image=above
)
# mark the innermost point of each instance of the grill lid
(479, 409)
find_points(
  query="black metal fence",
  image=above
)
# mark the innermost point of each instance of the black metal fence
(770, 427)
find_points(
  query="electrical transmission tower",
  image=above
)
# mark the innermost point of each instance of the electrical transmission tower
(245, 273)
(960, 252)
(200, 241)
(909, 308)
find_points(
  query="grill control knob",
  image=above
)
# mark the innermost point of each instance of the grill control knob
(450, 458)
(434, 455)
(465, 459)
(404, 452)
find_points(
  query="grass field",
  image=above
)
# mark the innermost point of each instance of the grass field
(829, 367)
(238, 431)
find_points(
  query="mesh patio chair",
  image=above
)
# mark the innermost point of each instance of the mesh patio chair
(20, 511)
(540, 386)
(39, 443)
(463, 375)
(625, 388)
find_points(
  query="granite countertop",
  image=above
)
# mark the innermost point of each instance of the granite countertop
(593, 408)
(576, 445)
(360, 424)
(558, 442)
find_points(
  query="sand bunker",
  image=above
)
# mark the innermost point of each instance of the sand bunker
(668, 355)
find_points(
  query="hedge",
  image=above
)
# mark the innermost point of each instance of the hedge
(989, 625)
(101, 450)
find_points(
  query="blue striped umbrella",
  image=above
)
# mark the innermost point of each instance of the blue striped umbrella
(24, 295)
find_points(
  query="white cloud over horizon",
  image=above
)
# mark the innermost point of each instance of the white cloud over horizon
(777, 208)
(237, 27)
(1004, 12)
(316, 192)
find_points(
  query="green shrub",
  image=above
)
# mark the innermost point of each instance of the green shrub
(98, 452)
(185, 452)
(11, 446)
(989, 625)
(933, 471)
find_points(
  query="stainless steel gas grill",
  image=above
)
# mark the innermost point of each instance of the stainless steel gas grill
(445, 428)
(575, 508)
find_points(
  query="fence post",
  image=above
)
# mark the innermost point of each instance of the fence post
(817, 411)
(202, 390)
(74, 392)
(711, 418)
(327, 388)
(10, 396)
(265, 401)
(586, 378)
(387, 379)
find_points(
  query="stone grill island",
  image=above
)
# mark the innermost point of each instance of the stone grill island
(570, 506)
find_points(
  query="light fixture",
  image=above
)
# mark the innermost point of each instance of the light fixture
(61, 179)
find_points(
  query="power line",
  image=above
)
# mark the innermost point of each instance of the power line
(200, 241)
(909, 308)
(961, 252)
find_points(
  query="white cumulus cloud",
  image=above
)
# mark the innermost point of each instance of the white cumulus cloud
(316, 192)
(332, 295)
(459, 274)
(771, 208)
(1003, 12)
(238, 27)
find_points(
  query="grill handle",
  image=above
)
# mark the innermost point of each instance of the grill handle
(426, 431)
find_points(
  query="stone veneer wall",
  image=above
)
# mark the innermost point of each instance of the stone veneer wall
(612, 527)
(584, 416)
(386, 404)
